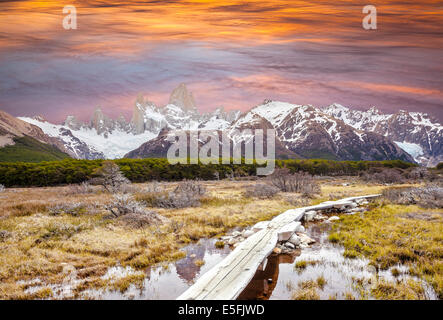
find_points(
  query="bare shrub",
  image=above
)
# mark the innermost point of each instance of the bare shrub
(2, 188)
(82, 188)
(73, 209)
(262, 191)
(110, 177)
(186, 194)
(418, 173)
(137, 220)
(191, 187)
(301, 182)
(131, 212)
(384, 176)
(430, 196)
(123, 204)
(153, 186)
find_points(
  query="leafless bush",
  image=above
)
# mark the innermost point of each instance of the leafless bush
(186, 194)
(262, 191)
(191, 187)
(418, 173)
(384, 176)
(123, 204)
(110, 177)
(2, 188)
(152, 187)
(430, 196)
(136, 220)
(131, 212)
(82, 188)
(73, 209)
(301, 182)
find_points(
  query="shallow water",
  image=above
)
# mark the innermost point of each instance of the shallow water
(171, 280)
(279, 280)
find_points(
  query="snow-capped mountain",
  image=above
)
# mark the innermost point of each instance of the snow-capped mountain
(334, 132)
(301, 131)
(104, 137)
(417, 133)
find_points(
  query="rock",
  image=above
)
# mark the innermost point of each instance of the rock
(232, 241)
(319, 217)
(193, 255)
(333, 218)
(295, 240)
(260, 226)
(287, 231)
(236, 234)
(303, 246)
(300, 229)
(353, 205)
(305, 239)
(289, 245)
(309, 215)
(276, 250)
(248, 233)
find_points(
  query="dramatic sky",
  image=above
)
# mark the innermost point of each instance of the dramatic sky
(229, 53)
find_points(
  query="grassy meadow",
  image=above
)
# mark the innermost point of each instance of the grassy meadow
(39, 243)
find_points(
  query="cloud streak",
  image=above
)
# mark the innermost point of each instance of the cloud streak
(231, 53)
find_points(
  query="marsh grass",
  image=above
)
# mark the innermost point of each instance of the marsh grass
(388, 237)
(36, 243)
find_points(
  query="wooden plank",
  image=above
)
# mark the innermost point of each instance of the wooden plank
(230, 276)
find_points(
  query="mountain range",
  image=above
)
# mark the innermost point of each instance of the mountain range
(302, 131)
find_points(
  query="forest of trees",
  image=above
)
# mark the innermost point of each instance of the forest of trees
(50, 173)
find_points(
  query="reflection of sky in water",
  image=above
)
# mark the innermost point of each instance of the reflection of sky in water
(231, 53)
(337, 270)
(169, 283)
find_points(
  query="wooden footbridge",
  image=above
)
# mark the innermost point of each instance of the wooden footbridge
(231, 276)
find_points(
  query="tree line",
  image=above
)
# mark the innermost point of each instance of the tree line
(69, 171)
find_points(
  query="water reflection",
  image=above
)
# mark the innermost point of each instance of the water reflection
(280, 279)
(168, 282)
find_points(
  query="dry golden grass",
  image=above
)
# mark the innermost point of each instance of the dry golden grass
(40, 245)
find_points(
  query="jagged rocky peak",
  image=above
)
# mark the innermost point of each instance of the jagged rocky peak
(374, 110)
(182, 98)
(40, 118)
(122, 124)
(146, 116)
(72, 123)
(102, 123)
(98, 121)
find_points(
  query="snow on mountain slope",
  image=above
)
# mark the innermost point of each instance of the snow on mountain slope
(115, 145)
(416, 133)
(334, 132)
(412, 148)
(311, 133)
